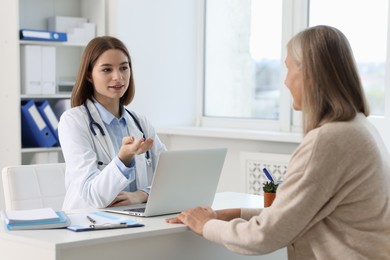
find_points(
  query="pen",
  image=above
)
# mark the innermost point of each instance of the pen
(91, 219)
(109, 226)
(268, 174)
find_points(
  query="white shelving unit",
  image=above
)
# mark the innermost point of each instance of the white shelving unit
(34, 14)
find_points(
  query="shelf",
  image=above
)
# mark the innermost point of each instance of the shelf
(53, 96)
(41, 149)
(51, 43)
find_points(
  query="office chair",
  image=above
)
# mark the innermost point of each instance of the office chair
(34, 186)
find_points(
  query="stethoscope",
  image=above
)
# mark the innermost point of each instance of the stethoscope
(93, 123)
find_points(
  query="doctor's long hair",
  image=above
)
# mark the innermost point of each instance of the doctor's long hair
(332, 90)
(83, 88)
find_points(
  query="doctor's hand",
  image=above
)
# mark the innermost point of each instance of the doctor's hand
(127, 198)
(131, 147)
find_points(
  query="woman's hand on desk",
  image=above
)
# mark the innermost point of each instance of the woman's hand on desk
(195, 218)
(127, 198)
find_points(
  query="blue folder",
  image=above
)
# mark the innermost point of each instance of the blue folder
(35, 132)
(41, 35)
(99, 221)
(48, 115)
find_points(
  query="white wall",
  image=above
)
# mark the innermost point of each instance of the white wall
(161, 38)
(9, 98)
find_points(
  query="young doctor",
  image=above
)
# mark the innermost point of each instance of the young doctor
(110, 152)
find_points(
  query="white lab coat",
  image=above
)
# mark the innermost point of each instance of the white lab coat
(89, 184)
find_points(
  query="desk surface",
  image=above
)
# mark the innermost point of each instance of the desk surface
(153, 226)
(63, 239)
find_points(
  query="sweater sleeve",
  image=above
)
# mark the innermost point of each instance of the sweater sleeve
(273, 228)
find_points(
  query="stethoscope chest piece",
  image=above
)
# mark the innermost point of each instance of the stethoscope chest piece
(148, 161)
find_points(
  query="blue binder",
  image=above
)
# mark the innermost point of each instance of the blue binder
(35, 132)
(40, 35)
(50, 118)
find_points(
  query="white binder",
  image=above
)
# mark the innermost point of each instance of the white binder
(38, 69)
(31, 64)
(48, 73)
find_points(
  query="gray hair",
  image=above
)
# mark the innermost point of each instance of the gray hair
(332, 89)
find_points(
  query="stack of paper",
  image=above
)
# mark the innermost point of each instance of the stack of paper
(35, 219)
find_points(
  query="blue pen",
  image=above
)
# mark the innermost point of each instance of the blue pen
(268, 174)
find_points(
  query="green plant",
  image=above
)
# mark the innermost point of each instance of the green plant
(270, 186)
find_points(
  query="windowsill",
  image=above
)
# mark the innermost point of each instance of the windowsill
(243, 134)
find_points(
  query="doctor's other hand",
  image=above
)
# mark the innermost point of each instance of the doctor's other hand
(131, 147)
(195, 218)
(125, 198)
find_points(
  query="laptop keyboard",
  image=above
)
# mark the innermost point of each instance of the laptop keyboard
(136, 210)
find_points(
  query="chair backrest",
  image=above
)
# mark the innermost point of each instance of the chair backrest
(34, 186)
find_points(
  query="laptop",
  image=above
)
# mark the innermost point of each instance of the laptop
(182, 179)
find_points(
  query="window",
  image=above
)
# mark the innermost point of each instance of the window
(366, 29)
(243, 59)
(244, 50)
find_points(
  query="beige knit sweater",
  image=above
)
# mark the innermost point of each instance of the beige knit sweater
(334, 202)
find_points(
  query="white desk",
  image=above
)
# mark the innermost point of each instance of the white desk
(156, 240)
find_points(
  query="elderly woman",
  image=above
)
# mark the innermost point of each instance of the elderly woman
(334, 202)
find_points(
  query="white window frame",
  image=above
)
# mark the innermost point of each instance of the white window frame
(294, 20)
(382, 123)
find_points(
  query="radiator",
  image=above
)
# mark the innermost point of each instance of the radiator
(252, 165)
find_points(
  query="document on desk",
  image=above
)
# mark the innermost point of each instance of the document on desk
(98, 221)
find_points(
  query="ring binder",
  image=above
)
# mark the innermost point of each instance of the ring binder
(40, 35)
(35, 132)
(50, 118)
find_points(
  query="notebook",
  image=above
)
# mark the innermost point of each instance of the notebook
(182, 179)
(45, 218)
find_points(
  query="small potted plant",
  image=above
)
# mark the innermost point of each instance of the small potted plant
(269, 189)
